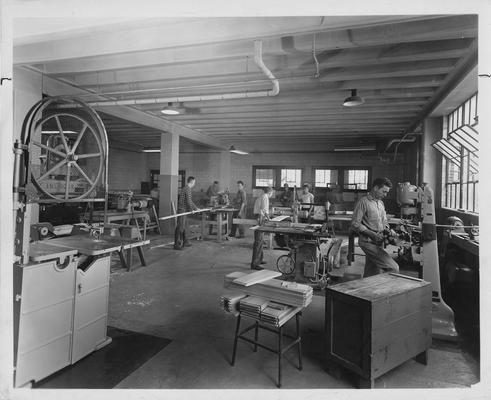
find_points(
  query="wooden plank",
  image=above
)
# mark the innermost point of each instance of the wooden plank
(256, 277)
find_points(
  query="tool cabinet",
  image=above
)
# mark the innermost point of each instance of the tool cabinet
(63, 311)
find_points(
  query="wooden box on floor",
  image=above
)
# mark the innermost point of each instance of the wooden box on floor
(377, 323)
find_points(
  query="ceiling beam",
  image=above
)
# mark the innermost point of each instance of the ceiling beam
(55, 87)
(220, 52)
(201, 31)
(463, 67)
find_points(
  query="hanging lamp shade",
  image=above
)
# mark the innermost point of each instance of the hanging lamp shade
(353, 100)
(170, 109)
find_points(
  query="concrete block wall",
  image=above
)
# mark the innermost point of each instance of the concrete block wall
(127, 169)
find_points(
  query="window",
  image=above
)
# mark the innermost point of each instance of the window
(291, 176)
(327, 178)
(460, 176)
(356, 179)
(264, 177)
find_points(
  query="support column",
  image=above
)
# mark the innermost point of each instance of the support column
(168, 178)
(225, 166)
(430, 159)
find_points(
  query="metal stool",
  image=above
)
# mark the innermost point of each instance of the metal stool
(279, 331)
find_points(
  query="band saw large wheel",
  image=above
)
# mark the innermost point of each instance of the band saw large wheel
(67, 145)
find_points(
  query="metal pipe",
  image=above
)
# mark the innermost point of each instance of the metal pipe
(408, 140)
(258, 59)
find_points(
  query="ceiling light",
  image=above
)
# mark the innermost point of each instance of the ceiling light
(353, 100)
(360, 148)
(234, 150)
(151, 150)
(170, 110)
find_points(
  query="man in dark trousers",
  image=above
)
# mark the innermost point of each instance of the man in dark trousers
(369, 221)
(184, 204)
(240, 202)
(261, 211)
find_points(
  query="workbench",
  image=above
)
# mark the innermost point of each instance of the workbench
(220, 222)
(126, 216)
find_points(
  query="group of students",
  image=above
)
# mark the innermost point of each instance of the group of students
(185, 204)
(369, 221)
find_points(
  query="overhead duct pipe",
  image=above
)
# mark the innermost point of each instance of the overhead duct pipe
(412, 139)
(258, 59)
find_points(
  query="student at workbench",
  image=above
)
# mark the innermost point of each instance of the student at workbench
(369, 221)
(261, 211)
(240, 202)
(212, 194)
(305, 198)
(286, 197)
(185, 204)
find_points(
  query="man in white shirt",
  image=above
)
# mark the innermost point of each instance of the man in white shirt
(261, 211)
(369, 221)
(305, 198)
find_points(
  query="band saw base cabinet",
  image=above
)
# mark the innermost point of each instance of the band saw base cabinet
(63, 315)
(374, 324)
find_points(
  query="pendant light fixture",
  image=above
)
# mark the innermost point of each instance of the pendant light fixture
(170, 109)
(236, 151)
(353, 100)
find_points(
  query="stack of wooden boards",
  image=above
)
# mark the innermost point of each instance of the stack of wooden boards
(229, 302)
(290, 293)
(258, 308)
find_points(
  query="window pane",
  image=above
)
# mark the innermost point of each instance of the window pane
(356, 179)
(326, 178)
(265, 177)
(291, 176)
(473, 109)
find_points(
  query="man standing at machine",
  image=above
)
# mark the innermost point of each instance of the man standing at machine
(305, 198)
(240, 202)
(369, 221)
(261, 211)
(185, 204)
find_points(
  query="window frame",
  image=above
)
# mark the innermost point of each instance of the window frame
(341, 170)
(456, 194)
(276, 174)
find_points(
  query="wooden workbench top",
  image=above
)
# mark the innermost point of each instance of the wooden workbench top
(86, 245)
(43, 251)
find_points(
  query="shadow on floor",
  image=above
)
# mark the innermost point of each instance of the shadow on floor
(105, 368)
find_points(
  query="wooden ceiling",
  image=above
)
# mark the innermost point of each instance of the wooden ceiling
(401, 65)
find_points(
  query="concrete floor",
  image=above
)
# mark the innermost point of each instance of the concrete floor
(177, 297)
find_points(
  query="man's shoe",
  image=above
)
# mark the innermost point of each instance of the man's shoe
(263, 262)
(177, 247)
(257, 268)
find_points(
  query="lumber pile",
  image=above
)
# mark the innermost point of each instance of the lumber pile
(290, 293)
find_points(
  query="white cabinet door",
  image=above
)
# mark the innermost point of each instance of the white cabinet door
(91, 304)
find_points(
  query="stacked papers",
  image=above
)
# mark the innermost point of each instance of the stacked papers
(291, 293)
(229, 302)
